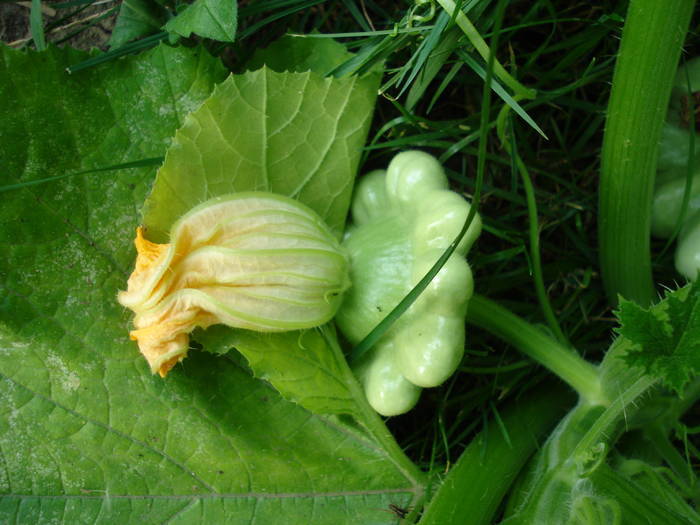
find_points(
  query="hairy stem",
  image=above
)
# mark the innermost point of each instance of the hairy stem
(637, 506)
(603, 427)
(649, 52)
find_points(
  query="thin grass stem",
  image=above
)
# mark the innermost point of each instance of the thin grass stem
(483, 49)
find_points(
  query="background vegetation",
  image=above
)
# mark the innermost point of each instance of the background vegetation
(432, 98)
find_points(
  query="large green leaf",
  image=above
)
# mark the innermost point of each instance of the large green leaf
(295, 133)
(57, 124)
(298, 134)
(137, 18)
(87, 434)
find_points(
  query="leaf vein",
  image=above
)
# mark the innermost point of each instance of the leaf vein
(112, 430)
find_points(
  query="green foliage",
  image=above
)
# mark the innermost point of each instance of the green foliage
(134, 100)
(290, 133)
(666, 336)
(299, 54)
(217, 20)
(213, 19)
(88, 434)
(137, 18)
(297, 134)
(306, 367)
(302, 366)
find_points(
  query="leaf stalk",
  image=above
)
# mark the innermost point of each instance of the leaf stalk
(581, 375)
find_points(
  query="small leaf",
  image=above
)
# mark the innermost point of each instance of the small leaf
(300, 54)
(215, 19)
(666, 335)
(648, 328)
(301, 366)
(137, 18)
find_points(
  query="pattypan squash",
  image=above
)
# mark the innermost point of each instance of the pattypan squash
(402, 221)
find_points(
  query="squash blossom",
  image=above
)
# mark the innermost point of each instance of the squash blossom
(255, 260)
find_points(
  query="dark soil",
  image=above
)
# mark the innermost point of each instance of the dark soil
(73, 26)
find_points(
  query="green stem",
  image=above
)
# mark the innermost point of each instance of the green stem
(483, 49)
(486, 469)
(376, 427)
(602, 429)
(533, 224)
(581, 375)
(371, 421)
(537, 275)
(649, 52)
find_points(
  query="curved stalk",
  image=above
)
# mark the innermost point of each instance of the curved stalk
(508, 142)
(371, 421)
(581, 375)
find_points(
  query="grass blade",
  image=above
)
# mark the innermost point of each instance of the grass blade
(36, 25)
(126, 49)
(483, 49)
(154, 161)
(498, 89)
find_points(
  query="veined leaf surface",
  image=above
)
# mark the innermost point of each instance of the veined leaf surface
(297, 134)
(87, 434)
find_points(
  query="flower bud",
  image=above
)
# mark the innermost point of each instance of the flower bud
(255, 260)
